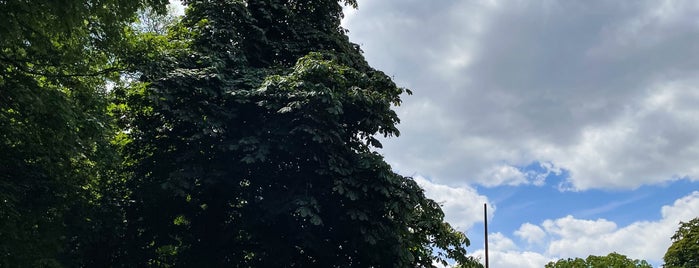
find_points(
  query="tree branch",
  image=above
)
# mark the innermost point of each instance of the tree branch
(22, 67)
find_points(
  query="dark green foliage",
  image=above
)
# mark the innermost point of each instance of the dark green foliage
(59, 38)
(614, 259)
(684, 251)
(251, 145)
(55, 57)
(245, 137)
(471, 262)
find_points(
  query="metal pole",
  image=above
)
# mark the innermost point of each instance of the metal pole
(485, 217)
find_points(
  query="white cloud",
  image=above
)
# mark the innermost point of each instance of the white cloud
(569, 237)
(498, 242)
(653, 141)
(502, 175)
(513, 258)
(569, 227)
(503, 252)
(648, 240)
(462, 206)
(531, 233)
(601, 89)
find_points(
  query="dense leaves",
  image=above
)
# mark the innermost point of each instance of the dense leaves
(54, 61)
(251, 145)
(611, 260)
(471, 262)
(684, 251)
(242, 135)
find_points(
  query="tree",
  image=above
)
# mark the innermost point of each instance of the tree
(471, 263)
(251, 144)
(684, 251)
(611, 260)
(55, 58)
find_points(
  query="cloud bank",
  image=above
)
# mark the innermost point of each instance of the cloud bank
(604, 90)
(569, 237)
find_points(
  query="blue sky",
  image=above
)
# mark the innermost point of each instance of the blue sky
(576, 121)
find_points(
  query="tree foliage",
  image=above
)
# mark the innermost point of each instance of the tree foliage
(251, 144)
(55, 57)
(471, 262)
(611, 260)
(243, 135)
(684, 251)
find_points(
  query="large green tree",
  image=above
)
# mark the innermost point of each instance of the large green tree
(251, 143)
(55, 58)
(614, 259)
(684, 251)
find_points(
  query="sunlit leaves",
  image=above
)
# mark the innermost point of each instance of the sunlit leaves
(684, 251)
(57, 176)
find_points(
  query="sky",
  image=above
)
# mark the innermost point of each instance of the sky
(577, 122)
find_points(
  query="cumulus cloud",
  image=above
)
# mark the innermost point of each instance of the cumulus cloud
(570, 227)
(513, 258)
(503, 252)
(570, 237)
(498, 242)
(601, 89)
(462, 206)
(655, 140)
(531, 233)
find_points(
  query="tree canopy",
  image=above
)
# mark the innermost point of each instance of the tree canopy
(684, 251)
(611, 260)
(242, 135)
(253, 146)
(55, 59)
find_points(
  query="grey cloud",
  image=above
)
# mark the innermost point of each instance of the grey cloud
(501, 84)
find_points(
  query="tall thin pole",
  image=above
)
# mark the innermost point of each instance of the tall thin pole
(485, 216)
